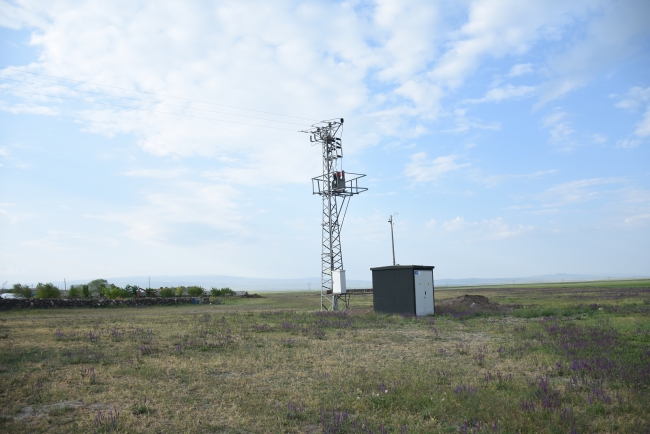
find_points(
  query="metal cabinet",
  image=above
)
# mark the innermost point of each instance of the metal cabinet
(403, 289)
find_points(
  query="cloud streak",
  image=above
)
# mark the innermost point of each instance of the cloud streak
(420, 169)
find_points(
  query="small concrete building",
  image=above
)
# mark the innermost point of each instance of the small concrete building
(403, 289)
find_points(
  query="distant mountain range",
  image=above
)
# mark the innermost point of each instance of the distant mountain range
(262, 284)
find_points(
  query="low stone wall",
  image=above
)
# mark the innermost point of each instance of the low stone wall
(42, 303)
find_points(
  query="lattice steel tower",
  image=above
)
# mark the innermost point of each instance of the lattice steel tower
(335, 187)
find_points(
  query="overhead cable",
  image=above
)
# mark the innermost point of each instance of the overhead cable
(148, 110)
(143, 100)
(156, 94)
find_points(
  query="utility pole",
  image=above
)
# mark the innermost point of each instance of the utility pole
(335, 187)
(392, 238)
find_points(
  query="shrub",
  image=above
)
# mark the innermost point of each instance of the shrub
(23, 290)
(74, 291)
(47, 290)
(216, 292)
(111, 292)
(97, 285)
(85, 291)
(133, 289)
(167, 292)
(179, 291)
(123, 293)
(114, 292)
(195, 291)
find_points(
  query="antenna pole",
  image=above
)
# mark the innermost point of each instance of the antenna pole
(392, 238)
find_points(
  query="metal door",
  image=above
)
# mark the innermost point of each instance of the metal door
(423, 292)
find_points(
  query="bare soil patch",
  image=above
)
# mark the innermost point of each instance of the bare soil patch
(471, 303)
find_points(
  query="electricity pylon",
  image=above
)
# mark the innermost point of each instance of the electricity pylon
(335, 187)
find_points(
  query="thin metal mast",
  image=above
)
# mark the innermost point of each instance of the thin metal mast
(392, 239)
(335, 187)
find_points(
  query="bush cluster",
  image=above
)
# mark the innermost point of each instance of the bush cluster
(179, 291)
(47, 290)
(23, 290)
(195, 291)
(78, 291)
(112, 292)
(101, 288)
(132, 289)
(216, 292)
(167, 292)
(96, 286)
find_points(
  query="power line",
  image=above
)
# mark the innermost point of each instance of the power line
(157, 94)
(149, 110)
(142, 100)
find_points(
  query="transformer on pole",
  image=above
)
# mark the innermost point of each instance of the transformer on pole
(335, 187)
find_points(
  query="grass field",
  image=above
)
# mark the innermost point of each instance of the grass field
(565, 358)
(630, 283)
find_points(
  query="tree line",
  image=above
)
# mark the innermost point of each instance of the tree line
(101, 288)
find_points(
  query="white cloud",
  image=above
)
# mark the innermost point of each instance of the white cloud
(505, 92)
(167, 216)
(493, 229)
(577, 191)
(386, 65)
(15, 17)
(466, 123)
(521, 69)
(457, 224)
(628, 143)
(420, 169)
(613, 32)
(635, 98)
(13, 214)
(66, 240)
(559, 129)
(198, 54)
(497, 28)
(494, 180)
(643, 127)
(29, 109)
(156, 173)
(498, 229)
(599, 138)
(637, 219)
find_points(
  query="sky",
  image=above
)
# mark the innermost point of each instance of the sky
(162, 138)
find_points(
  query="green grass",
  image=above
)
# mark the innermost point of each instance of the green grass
(267, 365)
(621, 283)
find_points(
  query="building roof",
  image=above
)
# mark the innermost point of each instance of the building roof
(407, 267)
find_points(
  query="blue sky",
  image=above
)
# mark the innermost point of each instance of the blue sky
(513, 138)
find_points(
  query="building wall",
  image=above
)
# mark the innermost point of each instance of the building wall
(393, 291)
